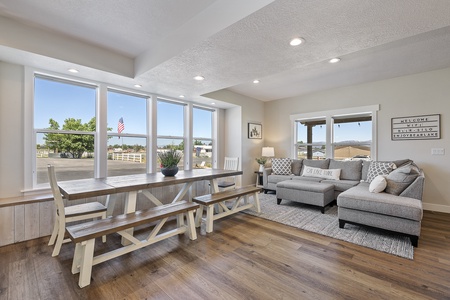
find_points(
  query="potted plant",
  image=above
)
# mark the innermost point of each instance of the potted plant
(169, 161)
(262, 162)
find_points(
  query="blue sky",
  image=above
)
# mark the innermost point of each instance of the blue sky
(60, 101)
(343, 132)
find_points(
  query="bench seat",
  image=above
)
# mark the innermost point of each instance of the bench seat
(208, 201)
(84, 234)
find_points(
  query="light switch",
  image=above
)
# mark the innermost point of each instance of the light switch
(437, 151)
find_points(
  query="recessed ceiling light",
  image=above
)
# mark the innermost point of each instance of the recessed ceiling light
(213, 103)
(256, 81)
(138, 85)
(73, 70)
(199, 77)
(334, 60)
(296, 41)
(181, 96)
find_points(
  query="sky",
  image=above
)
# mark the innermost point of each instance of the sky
(60, 101)
(342, 132)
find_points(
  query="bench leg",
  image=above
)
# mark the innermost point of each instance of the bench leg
(77, 258)
(209, 218)
(257, 204)
(199, 216)
(87, 257)
(191, 225)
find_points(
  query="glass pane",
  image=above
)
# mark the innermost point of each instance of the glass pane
(315, 147)
(165, 144)
(126, 156)
(127, 113)
(352, 140)
(71, 154)
(60, 105)
(170, 119)
(202, 123)
(202, 154)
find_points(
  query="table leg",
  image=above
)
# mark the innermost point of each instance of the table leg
(130, 206)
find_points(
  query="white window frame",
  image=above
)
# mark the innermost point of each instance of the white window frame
(328, 116)
(213, 117)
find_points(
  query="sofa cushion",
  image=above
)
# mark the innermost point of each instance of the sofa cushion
(321, 173)
(365, 169)
(379, 168)
(399, 179)
(341, 185)
(317, 163)
(350, 170)
(312, 179)
(278, 178)
(378, 184)
(281, 166)
(296, 166)
(359, 198)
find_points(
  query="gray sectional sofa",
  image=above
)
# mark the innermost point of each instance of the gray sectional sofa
(386, 195)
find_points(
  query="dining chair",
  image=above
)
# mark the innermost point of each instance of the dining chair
(69, 214)
(231, 163)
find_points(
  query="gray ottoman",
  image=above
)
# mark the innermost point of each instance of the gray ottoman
(313, 193)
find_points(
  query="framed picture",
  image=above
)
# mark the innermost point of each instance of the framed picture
(425, 127)
(254, 131)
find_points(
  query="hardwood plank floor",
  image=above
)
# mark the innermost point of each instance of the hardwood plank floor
(244, 258)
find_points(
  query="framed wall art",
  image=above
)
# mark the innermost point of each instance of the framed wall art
(254, 131)
(426, 127)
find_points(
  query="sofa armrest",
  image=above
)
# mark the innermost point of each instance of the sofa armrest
(266, 173)
(415, 189)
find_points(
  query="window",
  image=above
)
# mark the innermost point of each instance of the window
(64, 126)
(170, 127)
(311, 139)
(203, 142)
(352, 137)
(340, 134)
(127, 133)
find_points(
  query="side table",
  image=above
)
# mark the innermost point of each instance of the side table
(259, 179)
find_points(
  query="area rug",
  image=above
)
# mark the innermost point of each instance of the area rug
(311, 219)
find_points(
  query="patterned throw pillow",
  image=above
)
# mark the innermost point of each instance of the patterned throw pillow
(379, 168)
(281, 166)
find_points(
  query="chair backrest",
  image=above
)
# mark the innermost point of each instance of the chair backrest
(59, 203)
(231, 163)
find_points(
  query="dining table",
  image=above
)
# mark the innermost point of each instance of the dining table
(131, 185)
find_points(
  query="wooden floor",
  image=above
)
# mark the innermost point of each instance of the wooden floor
(244, 258)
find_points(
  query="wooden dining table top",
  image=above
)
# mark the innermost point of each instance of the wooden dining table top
(93, 187)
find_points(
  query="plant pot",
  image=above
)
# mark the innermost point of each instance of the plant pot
(261, 168)
(169, 171)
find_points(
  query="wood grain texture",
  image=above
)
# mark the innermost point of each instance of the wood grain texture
(225, 195)
(244, 258)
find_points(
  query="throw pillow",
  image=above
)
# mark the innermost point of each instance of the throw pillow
(350, 170)
(399, 179)
(321, 173)
(296, 166)
(378, 184)
(315, 163)
(281, 166)
(379, 168)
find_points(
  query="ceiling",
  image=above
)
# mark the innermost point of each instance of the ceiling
(162, 45)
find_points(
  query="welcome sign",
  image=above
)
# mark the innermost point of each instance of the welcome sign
(425, 127)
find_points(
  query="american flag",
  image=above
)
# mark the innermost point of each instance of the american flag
(120, 126)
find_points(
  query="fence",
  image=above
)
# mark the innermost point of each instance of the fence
(134, 157)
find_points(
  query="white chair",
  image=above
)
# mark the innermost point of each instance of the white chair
(231, 163)
(68, 214)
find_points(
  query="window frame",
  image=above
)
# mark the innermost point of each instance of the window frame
(329, 117)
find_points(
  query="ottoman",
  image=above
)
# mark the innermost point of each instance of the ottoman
(313, 193)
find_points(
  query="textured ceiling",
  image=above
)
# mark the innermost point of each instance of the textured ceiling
(163, 44)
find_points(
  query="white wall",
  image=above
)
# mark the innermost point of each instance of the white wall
(419, 94)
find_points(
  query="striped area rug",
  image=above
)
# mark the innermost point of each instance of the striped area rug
(309, 218)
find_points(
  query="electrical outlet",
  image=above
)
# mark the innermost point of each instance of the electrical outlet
(437, 151)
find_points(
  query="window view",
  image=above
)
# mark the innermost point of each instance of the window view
(311, 139)
(127, 133)
(203, 143)
(170, 128)
(352, 138)
(61, 108)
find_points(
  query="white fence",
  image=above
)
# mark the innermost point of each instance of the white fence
(134, 157)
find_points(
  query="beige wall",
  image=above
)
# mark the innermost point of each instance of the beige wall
(419, 94)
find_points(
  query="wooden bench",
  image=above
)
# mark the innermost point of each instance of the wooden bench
(208, 201)
(84, 234)
(28, 199)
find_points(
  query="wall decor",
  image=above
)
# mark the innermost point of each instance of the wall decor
(426, 127)
(254, 131)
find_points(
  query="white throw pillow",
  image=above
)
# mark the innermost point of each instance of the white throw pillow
(321, 173)
(378, 184)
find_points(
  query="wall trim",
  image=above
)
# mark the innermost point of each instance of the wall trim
(436, 207)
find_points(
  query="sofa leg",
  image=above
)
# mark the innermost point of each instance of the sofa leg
(414, 240)
(341, 223)
(278, 201)
(322, 210)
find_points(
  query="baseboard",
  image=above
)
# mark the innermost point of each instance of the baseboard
(436, 207)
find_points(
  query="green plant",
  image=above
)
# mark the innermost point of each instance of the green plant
(261, 160)
(169, 158)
